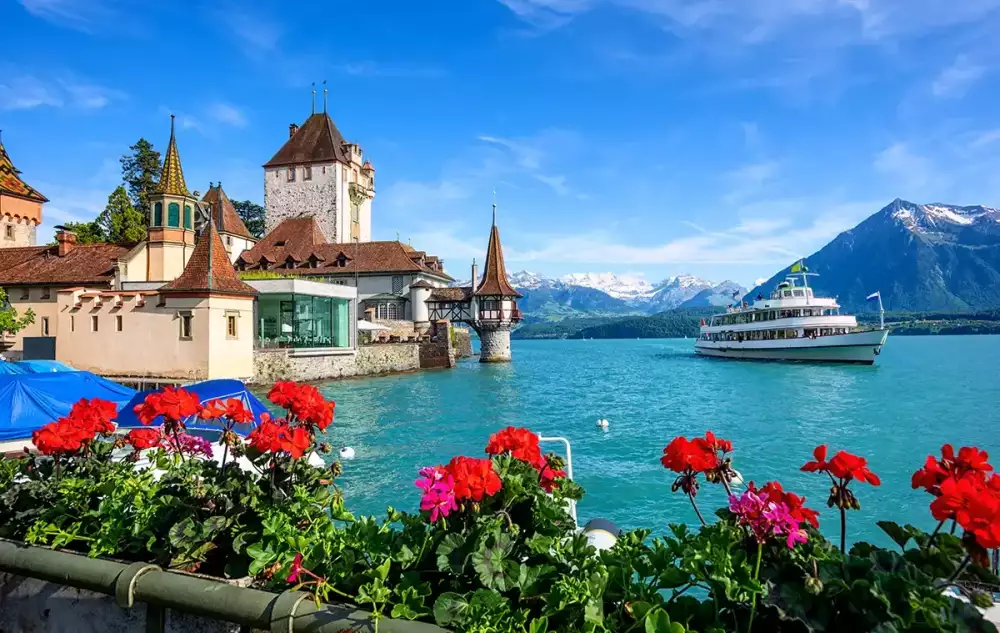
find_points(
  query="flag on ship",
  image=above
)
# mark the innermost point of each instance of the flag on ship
(799, 267)
(875, 295)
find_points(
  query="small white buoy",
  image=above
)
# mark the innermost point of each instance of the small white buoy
(603, 424)
(346, 452)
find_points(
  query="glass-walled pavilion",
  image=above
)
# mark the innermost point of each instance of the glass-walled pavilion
(302, 314)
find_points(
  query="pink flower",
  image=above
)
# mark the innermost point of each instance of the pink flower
(796, 536)
(439, 492)
(296, 569)
(766, 518)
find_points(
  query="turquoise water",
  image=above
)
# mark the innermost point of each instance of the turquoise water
(923, 392)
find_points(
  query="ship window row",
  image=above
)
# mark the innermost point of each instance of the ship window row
(757, 316)
(774, 335)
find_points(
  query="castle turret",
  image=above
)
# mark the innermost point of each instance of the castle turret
(171, 233)
(494, 303)
(20, 206)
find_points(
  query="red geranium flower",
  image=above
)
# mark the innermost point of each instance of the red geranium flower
(681, 455)
(717, 444)
(282, 393)
(94, 416)
(795, 503)
(178, 404)
(474, 478)
(522, 444)
(59, 438)
(267, 437)
(213, 410)
(956, 496)
(141, 439)
(970, 460)
(843, 465)
(237, 411)
(305, 402)
(296, 441)
(548, 477)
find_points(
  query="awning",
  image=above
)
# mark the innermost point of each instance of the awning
(368, 326)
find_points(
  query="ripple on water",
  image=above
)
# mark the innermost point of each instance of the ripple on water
(924, 392)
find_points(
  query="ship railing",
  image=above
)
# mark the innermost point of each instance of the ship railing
(569, 465)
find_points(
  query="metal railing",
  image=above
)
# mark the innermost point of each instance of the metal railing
(161, 590)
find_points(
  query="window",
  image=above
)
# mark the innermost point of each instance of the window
(187, 216)
(291, 174)
(393, 311)
(229, 240)
(118, 323)
(174, 214)
(158, 214)
(307, 172)
(45, 326)
(25, 294)
(186, 319)
(231, 326)
(46, 293)
(93, 323)
(9, 232)
(72, 323)
(397, 284)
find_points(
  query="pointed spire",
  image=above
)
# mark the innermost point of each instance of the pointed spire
(494, 281)
(11, 182)
(209, 270)
(172, 176)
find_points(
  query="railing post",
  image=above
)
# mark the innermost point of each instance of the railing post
(156, 619)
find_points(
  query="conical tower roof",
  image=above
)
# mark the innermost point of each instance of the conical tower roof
(172, 176)
(209, 269)
(224, 213)
(494, 282)
(10, 180)
(317, 141)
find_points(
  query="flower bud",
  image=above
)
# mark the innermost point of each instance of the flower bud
(324, 447)
(336, 469)
(814, 585)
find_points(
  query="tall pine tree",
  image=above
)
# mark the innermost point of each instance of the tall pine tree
(122, 223)
(141, 173)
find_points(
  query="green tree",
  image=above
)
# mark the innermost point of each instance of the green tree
(10, 323)
(87, 232)
(252, 215)
(141, 173)
(121, 222)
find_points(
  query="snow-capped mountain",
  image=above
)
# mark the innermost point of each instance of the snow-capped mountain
(919, 256)
(582, 294)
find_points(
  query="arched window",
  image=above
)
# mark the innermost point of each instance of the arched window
(187, 216)
(158, 214)
(174, 214)
(392, 311)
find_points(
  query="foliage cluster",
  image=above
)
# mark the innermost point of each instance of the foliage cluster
(494, 547)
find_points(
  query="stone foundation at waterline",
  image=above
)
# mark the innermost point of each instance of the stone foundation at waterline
(271, 365)
(461, 340)
(494, 346)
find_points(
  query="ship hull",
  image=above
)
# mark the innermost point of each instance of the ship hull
(855, 347)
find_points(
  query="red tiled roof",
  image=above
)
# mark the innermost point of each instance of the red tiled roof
(224, 213)
(11, 183)
(452, 294)
(85, 264)
(317, 141)
(209, 270)
(494, 282)
(296, 239)
(421, 284)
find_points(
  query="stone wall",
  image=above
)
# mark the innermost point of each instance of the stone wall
(23, 232)
(461, 340)
(494, 345)
(28, 605)
(316, 197)
(438, 352)
(396, 328)
(282, 364)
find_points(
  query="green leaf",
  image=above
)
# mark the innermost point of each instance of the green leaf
(539, 625)
(899, 535)
(451, 554)
(657, 621)
(411, 607)
(382, 571)
(673, 577)
(450, 609)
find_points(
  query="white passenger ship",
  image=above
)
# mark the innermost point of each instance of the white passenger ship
(792, 325)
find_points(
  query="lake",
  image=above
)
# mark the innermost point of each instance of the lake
(922, 393)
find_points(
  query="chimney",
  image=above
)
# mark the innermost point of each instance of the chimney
(66, 240)
(475, 273)
(292, 129)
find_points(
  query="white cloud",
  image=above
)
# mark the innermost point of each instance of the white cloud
(389, 70)
(422, 196)
(81, 15)
(749, 180)
(226, 113)
(985, 138)
(257, 34)
(19, 91)
(957, 78)
(906, 168)
(529, 155)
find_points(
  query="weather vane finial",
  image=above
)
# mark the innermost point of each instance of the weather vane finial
(494, 205)
(324, 96)
(314, 97)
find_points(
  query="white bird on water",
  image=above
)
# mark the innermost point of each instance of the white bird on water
(346, 452)
(603, 425)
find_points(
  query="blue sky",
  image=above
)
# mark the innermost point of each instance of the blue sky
(722, 138)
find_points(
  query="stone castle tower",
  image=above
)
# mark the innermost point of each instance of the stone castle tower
(316, 172)
(494, 303)
(20, 206)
